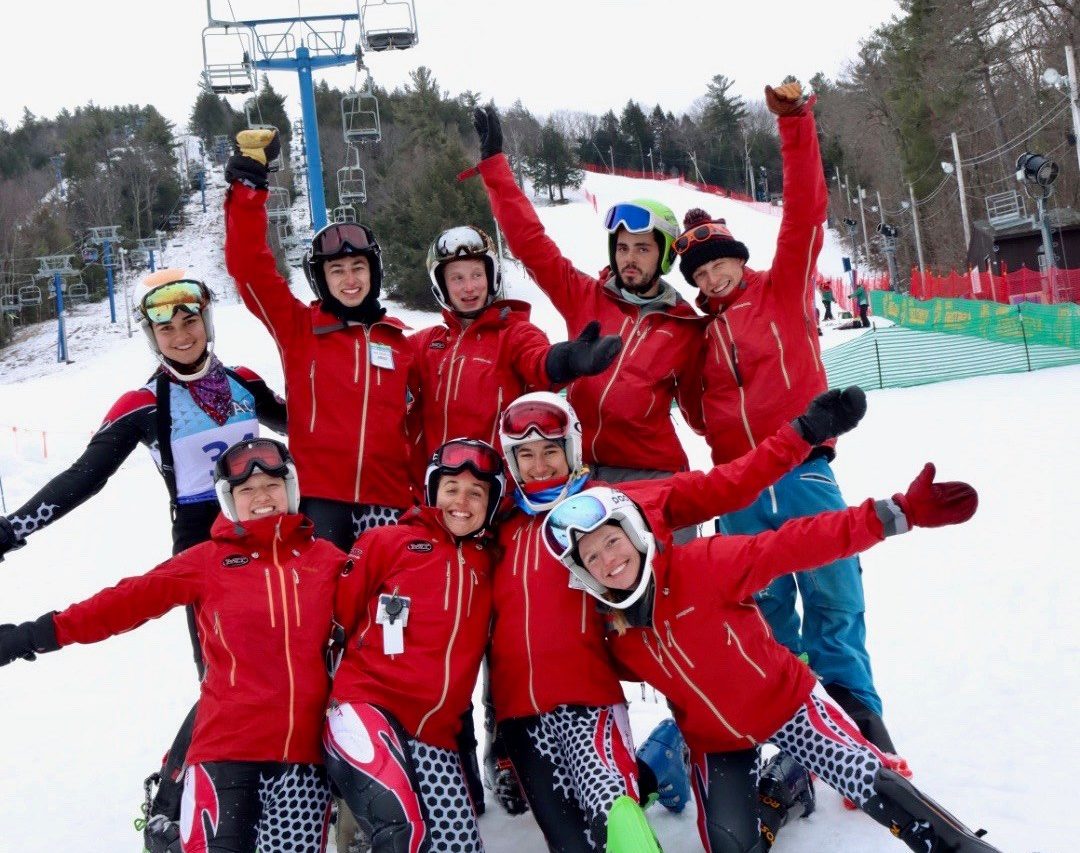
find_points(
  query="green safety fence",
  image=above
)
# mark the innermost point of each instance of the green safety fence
(943, 339)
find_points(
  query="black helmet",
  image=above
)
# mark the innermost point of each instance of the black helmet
(340, 240)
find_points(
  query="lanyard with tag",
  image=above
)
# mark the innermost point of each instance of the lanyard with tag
(393, 615)
(381, 355)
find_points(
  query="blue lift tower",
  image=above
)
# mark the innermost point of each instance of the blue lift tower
(303, 44)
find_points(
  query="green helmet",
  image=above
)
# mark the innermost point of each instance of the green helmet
(639, 216)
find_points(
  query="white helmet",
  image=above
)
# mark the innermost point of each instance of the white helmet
(540, 415)
(239, 462)
(460, 243)
(176, 291)
(585, 512)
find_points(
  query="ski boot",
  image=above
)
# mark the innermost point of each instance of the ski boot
(501, 779)
(785, 792)
(161, 833)
(627, 829)
(665, 753)
(918, 821)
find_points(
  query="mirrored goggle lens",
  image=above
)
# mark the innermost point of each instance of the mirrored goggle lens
(482, 458)
(240, 460)
(581, 513)
(699, 235)
(460, 241)
(161, 303)
(547, 420)
(632, 217)
(339, 238)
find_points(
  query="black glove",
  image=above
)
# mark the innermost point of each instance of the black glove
(27, 640)
(489, 129)
(831, 414)
(8, 540)
(255, 149)
(586, 355)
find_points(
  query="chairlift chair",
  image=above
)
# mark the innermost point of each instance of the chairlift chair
(29, 294)
(388, 25)
(77, 292)
(360, 118)
(278, 204)
(9, 303)
(351, 181)
(345, 213)
(228, 78)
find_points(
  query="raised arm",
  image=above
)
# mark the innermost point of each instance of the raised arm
(694, 497)
(806, 195)
(555, 274)
(247, 255)
(129, 421)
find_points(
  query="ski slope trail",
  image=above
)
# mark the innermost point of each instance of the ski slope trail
(969, 627)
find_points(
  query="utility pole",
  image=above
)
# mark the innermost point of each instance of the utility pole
(652, 168)
(963, 192)
(862, 215)
(697, 171)
(918, 236)
(750, 185)
(611, 152)
(880, 208)
(1074, 96)
(122, 252)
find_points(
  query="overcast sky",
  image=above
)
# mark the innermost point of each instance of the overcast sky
(559, 54)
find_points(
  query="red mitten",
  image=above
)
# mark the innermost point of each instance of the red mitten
(930, 504)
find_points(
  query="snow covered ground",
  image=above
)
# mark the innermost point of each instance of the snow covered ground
(969, 626)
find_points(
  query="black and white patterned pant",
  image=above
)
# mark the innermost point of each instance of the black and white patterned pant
(573, 763)
(342, 523)
(240, 806)
(407, 794)
(819, 736)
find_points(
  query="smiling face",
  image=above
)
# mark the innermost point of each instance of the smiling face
(466, 284)
(637, 259)
(463, 500)
(542, 459)
(719, 278)
(259, 496)
(183, 339)
(348, 279)
(610, 557)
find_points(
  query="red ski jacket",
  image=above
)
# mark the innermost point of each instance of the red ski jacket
(263, 593)
(347, 385)
(447, 585)
(709, 650)
(625, 411)
(547, 645)
(468, 375)
(762, 357)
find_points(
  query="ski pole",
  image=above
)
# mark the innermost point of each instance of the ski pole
(3, 500)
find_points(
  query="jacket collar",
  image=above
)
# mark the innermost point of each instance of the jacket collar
(669, 301)
(323, 322)
(495, 314)
(261, 532)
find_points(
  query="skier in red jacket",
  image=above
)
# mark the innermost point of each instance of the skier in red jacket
(263, 592)
(762, 366)
(625, 410)
(415, 606)
(486, 353)
(348, 367)
(560, 708)
(684, 620)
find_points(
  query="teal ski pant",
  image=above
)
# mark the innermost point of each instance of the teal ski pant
(832, 632)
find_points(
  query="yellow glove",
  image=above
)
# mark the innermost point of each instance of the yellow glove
(786, 99)
(261, 144)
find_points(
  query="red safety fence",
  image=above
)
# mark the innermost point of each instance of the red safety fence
(844, 293)
(1053, 287)
(734, 195)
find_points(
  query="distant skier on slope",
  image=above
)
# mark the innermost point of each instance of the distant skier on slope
(191, 409)
(263, 593)
(684, 620)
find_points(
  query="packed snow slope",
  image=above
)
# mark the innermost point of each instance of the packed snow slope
(969, 627)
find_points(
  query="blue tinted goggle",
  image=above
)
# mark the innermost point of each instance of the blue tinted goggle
(581, 513)
(635, 219)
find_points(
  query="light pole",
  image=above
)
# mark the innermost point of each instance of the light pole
(860, 199)
(955, 168)
(1052, 78)
(918, 235)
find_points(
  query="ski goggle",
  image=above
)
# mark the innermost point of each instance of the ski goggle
(461, 453)
(343, 237)
(580, 514)
(162, 303)
(462, 241)
(701, 234)
(545, 419)
(636, 219)
(239, 462)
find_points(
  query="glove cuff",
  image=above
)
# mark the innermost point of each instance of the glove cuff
(557, 363)
(807, 434)
(891, 514)
(43, 633)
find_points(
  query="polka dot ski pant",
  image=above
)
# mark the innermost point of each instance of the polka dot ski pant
(573, 763)
(819, 736)
(407, 795)
(241, 806)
